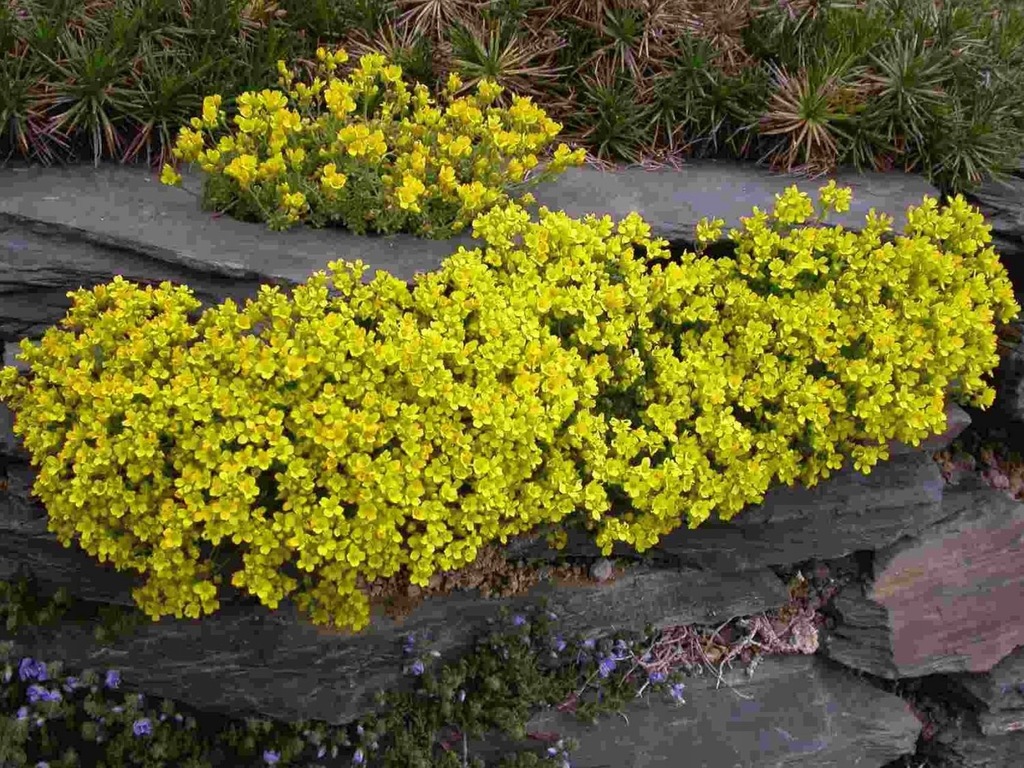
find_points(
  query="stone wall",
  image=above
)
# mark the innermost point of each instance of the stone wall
(936, 569)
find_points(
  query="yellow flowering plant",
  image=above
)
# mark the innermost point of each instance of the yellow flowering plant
(353, 431)
(368, 153)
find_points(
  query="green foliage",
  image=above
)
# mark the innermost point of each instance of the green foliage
(937, 87)
(512, 669)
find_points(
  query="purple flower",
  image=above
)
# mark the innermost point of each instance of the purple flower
(142, 727)
(22, 713)
(552, 751)
(118, 709)
(462, 696)
(559, 644)
(37, 693)
(42, 764)
(141, 699)
(657, 677)
(518, 620)
(113, 678)
(70, 684)
(321, 752)
(417, 668)
(30, 669)
(552, 616)
(410, 643)
(359, 730)
(589, 643)
(676, 692)
(270, 757)
(357, 758)
(606, 667)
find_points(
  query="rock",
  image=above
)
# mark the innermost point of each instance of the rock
(1000, 689)
(946, 599)
(602, 570)
(673, 201)
(247, 658)
(965, 746)
(66, 227)
(1002, 203)
(793, 711)
(957, 420)
(847, 512)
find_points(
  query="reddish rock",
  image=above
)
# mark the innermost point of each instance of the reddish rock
(945, 600)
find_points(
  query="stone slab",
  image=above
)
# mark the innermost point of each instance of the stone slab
(673, 201)
(247, 659)
(794, 711)
(947, 599)
(848, 512)
(72, 226)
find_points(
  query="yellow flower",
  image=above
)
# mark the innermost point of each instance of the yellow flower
(461, 147)
(211, 111)
(446, 178)
(170, 176)
(409, 192)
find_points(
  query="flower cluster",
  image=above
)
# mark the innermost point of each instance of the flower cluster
(368, 152)
(354, 430)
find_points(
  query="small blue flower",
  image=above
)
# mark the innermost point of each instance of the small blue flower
(142, 727)
(606, 667)
(409, 643)
(71, 684)
(552, 616)
(518, 620)
(657, 677)
(22, 713)
(113, 679)
(559, 644)
(30, 669)
(676, 692)
(462, 696)
(270, 757)
(359, 730)
(321, 752)
(552, 751)
(589, 643)
(37, 693)
(358, 758)
(417, 668)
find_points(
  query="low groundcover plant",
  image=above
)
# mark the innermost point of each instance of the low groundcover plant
(567, 367)
(381, 158)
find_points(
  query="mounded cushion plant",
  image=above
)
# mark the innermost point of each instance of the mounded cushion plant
(355, 430)
(379, 158)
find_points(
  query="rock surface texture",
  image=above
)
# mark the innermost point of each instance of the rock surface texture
(941, 576)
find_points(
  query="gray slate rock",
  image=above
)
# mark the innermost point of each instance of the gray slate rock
(793, 711)
(965, 746)
(847, 512)
(66, 227)
(673, 201)
(1000, 689)
(246, 658)
(946, 599)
